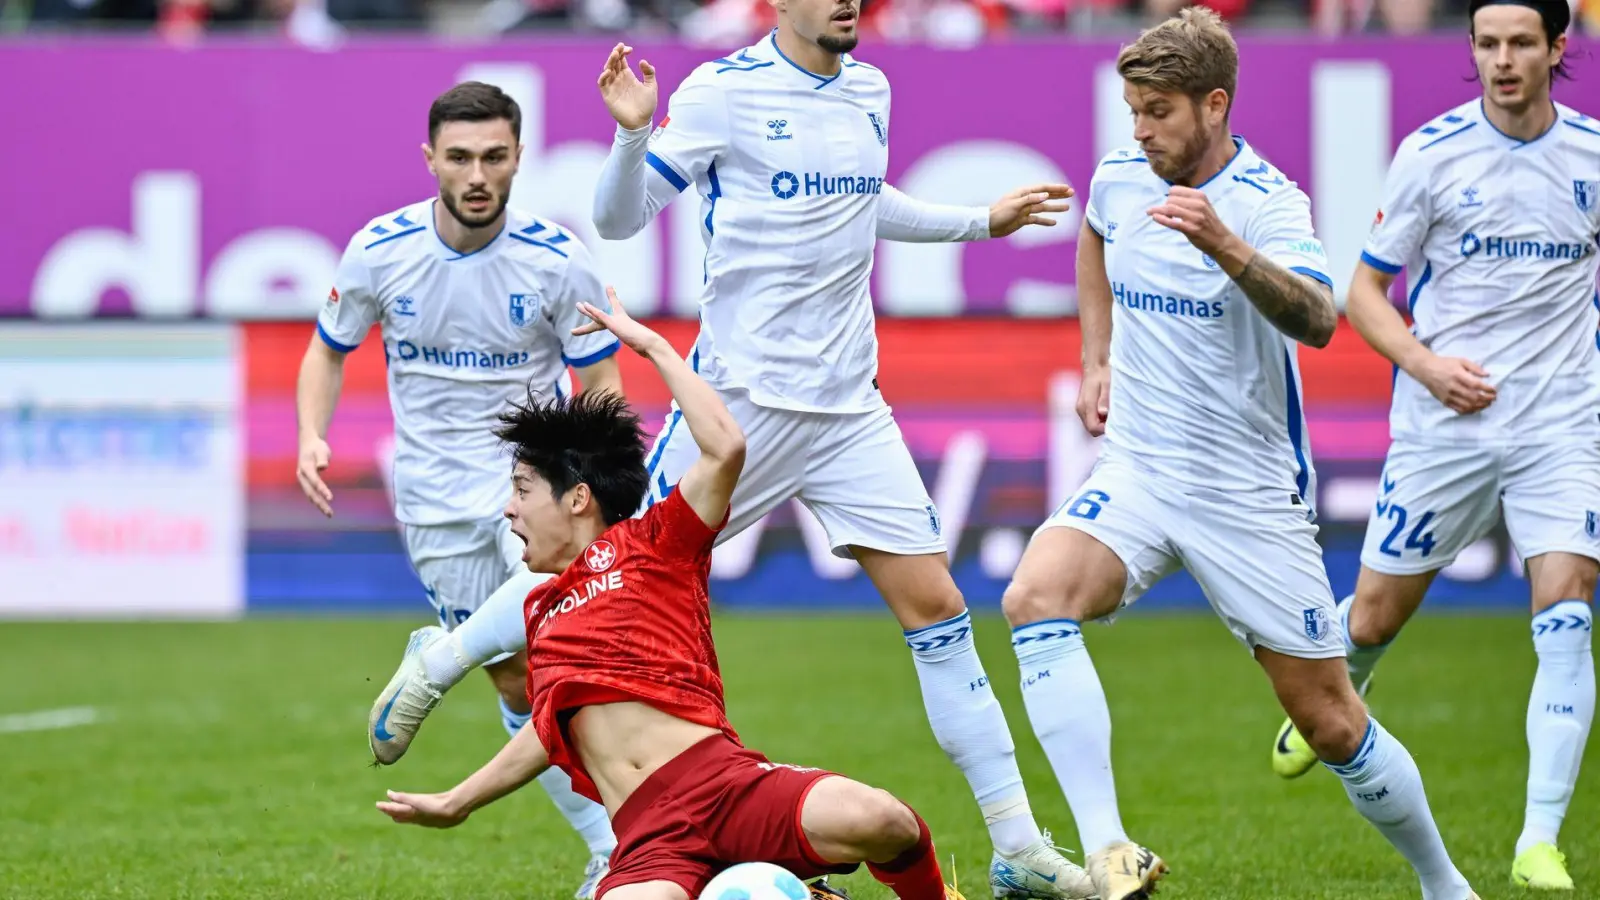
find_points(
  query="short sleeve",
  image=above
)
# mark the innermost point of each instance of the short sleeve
(678, 532)
(580, 284)
(1091, 208)
(1402, 221)
(352, 307)
(692, 135)
(1282, 230)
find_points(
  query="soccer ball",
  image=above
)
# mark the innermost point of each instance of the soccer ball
(756, 881)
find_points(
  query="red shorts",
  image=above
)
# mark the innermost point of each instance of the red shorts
(712, 806)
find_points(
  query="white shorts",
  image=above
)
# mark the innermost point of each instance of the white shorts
(853, 471)
(1436, 499)
(1260, 566)
(461, 564)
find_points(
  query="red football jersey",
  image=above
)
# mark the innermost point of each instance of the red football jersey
(629, 620)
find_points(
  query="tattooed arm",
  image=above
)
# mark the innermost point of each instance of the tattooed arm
(1298, 298)
(1295, 304)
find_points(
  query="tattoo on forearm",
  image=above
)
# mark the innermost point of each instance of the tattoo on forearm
(1298, 306)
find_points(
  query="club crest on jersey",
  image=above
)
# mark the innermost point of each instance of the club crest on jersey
(600, 556)
(524, 309)
(880, 127)
(1210, 263)
(1585, 194)
(1317, 625)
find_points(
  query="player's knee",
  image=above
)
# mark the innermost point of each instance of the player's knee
(1370, 627)
(510, 678)
(1024, 604)
(1333, 729)
(1570, 582)
(888, 827)
(930, 606)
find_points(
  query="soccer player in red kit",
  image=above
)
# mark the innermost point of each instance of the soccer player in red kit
(622, 674)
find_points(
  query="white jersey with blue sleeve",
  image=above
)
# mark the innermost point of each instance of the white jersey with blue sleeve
(1204, 389)
(464, 335)
(789, 167)
(1500, 240)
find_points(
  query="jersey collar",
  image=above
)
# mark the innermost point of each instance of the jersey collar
(1509, 142)
(817, 82)
(1239, 146)
(449, 253)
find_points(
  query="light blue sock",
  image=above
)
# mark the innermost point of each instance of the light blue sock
(1067, 707)
(1383, 783)
(1560, 711)
(586, 817)
(971, 728)
(511, 719)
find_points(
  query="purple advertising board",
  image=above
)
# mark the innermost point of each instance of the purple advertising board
(224, 180)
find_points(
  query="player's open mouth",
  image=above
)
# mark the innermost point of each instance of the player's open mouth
(845, 17)
(1507, 85)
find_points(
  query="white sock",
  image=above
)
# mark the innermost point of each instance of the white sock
(1383, 782)
(1560, 711)
(971, 728)
(1360, 661)
(586, 817)
(494, 629)
(1067, 707)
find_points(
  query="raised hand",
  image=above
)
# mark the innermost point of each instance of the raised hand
(632, 101)
(1028, 206)
(638, 337)
(1189, 212)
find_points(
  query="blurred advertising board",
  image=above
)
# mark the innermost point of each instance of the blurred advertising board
(121, 478)
(985, 404)
(225, 179)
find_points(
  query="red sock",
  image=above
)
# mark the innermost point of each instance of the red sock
(914, 874)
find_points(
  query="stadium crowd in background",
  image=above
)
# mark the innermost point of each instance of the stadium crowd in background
(724, 23)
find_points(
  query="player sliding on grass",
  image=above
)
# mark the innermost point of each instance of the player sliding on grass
(1198, 275)
(622, 674)
(1494, 210)
(793, 208)
(476, 300)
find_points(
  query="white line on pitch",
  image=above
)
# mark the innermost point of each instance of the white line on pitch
(49, 719)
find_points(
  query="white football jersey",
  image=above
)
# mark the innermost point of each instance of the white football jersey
(790, 169)
(1499, 240)
(463, 336)
(1203, 388)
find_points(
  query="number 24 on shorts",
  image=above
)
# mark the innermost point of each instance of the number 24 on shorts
(1416, 540)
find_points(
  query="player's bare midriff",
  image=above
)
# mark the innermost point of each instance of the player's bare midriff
(622, 744)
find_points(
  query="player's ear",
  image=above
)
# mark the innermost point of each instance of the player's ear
(1217, 105)
(580, 499)
(427, 157)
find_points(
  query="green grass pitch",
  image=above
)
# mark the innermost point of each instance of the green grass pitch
(230, 760)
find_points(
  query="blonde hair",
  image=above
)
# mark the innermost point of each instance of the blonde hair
(1191, 53)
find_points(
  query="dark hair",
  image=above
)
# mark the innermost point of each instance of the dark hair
(474, 101)
(594, 438)
(1554, 15)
